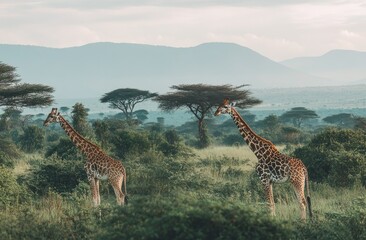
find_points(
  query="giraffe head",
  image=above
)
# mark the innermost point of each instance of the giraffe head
(52, 117)
(225, 107)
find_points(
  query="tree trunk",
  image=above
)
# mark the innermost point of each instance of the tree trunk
(202, 131)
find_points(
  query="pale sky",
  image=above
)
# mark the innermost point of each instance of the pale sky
(278, 29)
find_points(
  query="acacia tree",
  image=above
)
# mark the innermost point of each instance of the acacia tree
(199, 99)
(125, 99)
(341, 119)
(19, 95)
(14, 96)
(298, 115)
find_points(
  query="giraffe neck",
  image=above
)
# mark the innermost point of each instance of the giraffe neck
(261, 147)
(80, 142)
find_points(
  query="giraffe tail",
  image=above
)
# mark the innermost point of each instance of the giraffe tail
(124, 185)
(308, 200)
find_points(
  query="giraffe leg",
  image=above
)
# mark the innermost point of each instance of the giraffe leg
(97, 190)
(117, 187)
(269, 197)
(93, 188)
(299, 185)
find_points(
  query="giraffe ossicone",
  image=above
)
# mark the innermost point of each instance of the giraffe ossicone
(99, 166)
(272, 166)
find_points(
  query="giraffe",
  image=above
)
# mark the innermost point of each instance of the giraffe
(99, 166)
(272, 166)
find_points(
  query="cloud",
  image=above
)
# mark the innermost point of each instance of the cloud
(108, 4)
(277, 29)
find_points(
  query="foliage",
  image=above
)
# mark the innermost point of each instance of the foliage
(64, 149)
(130, 142)
(336, 156)
(51, 217)
(55, 174)
(125, 99)
(186, 219)
(8, 152)
(32, 139)
(199, 99)
(15, 94)
(298, 115)
(79, 119)
(10, 119)
(64, 109)
(11, 193)
(348, 225)
(360, 123)
(101, 132)
(341, 120)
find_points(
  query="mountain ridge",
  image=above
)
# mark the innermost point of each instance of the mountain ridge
(93, 69)
(343, 66)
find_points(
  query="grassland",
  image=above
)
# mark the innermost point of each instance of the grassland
(216, 175)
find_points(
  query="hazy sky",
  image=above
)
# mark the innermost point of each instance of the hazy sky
(278, 29)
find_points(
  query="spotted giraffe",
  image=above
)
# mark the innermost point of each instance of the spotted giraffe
(99, 166)
(272, 166)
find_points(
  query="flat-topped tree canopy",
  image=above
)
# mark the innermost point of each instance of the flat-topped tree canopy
(15, 94)
(125, 99)
(201, 98)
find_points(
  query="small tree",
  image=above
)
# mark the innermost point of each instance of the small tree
(79, 119)
(101, 132)
(32, 139)
(298, 115)
(341, 119)
(125, 99)
(199, 99)
(64, 110)
(10, 119)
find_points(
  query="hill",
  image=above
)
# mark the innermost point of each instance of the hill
(94, 69)
(342, 66)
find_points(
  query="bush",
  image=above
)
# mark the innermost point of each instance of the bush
(64, 149)
(8, 152)
(54, 221)
(349, 225)
(233, 139)
(154, 173)
(11, 193)
(55, 174)
(336, 156)
(32, 139)
(158, 218)
(130, 142)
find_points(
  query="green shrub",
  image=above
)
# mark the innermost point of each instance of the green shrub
(11, 193)
(336, 156)
(32, 139)
(233, 139)
(55, 174)
(159, 218)
(153, 173)
(64, 149)
(8, 152)
(52, 221)
(349, 225)
(130, 142)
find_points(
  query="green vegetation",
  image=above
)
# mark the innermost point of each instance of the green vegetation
(176, 192)
(177, 189)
